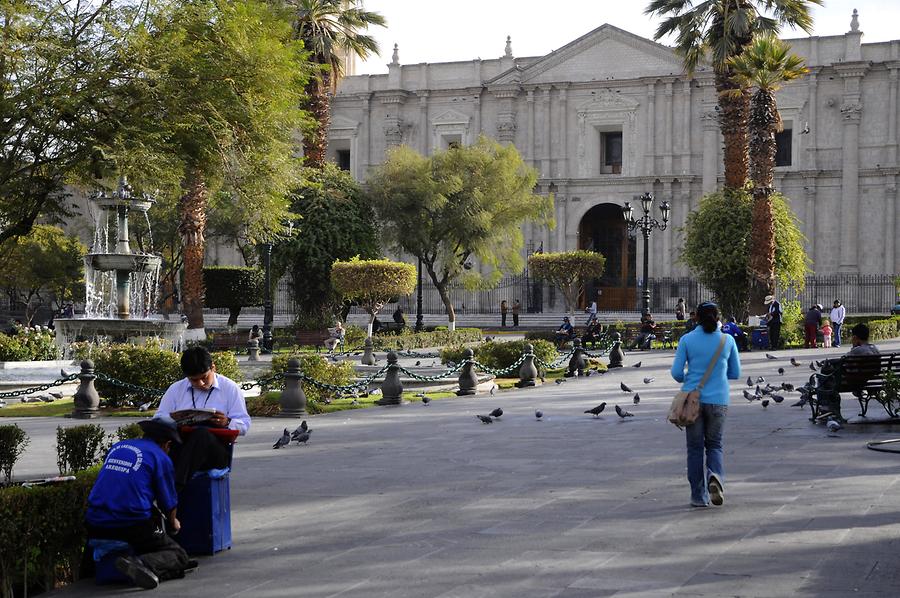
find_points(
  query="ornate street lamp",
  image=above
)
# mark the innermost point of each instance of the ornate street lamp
(646, 224)
(420, 324)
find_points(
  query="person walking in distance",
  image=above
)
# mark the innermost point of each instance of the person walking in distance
(504, 309)
(680, 309)
(707, 349)
(516, 308)
(838, 313)
(773, 322)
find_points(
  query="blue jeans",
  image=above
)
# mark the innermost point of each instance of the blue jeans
(705, 434)
(836, 329)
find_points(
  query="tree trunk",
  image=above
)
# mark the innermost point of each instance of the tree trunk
(763, 125)
(733, 113)
(370, 325)
(192, 209)
(233, 313)
(448, 304)
(315, 141)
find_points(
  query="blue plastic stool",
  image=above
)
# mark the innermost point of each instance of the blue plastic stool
(105, 553)
(204, 509)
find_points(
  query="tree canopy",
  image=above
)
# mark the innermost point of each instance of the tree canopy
(233, 287)
(567, 271)
(458, 206)
(372, 283)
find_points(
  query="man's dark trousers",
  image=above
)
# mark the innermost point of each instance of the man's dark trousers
(162, 555)
(774, 335)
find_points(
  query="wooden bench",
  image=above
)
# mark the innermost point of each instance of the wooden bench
(229, 341)
(312, 338)
(391, 327)
(861, 375)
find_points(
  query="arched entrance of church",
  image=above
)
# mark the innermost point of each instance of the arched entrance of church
(602, 229)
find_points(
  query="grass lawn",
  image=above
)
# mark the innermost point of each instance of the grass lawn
(60, 408)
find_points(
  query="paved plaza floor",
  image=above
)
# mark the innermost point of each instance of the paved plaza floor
(425, 501)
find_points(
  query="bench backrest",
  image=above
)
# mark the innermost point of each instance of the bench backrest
(866, 372)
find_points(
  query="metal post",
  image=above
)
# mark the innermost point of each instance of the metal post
(420, 324)
(267, 302)
(646, 224)
(645, 301)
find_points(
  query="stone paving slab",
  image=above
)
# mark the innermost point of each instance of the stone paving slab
(428, 502)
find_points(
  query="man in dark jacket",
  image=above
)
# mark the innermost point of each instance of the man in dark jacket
(136, 474)
(773, 321)
(811, 326)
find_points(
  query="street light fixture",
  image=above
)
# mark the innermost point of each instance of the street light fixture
(420, 323)
(646, 224)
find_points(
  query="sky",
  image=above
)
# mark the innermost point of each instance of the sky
(442, 31)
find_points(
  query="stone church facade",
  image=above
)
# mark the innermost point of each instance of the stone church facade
(612, 115)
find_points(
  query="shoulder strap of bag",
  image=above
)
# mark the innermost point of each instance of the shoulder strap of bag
(712, 363)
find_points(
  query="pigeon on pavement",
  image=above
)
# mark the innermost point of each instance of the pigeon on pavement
(637, 398)
(497, 412)
(760, 380)
(622, 413)
(419, 362)
(302, 437)
(787, 387)
(493, 389)
(750, 381)
(560, 380)
(426, 399)
(485, 419)
(283, 441)
(597, 410)
(750, 397)
(303, 427)
(624, 387)
(538, 413)
(795, 363)
(649, 380)
(777, 398)
(637, 365)
(55, 394)
(812, 366)
(770, 356)
(765, 403)
(781, 371)
(833, 425)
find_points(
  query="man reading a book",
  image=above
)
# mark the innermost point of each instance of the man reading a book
(205, 400)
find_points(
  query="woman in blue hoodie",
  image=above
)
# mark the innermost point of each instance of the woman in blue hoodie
(696, 350)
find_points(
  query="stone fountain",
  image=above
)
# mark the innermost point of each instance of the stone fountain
(121, 285)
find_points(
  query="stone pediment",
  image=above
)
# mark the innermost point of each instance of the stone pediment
(339, 123)
(451, 117)
(607, 101)
(606, 53)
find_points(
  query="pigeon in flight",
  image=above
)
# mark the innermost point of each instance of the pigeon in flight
(649, 380)
(795, 363)
(765, 403)
(538, 414)
(622, 413)
(485, 419)
(624, 387)
(497, 412)
(637, 398)
(637, 365)
(283, 441)
(770, 356)
(597, 410)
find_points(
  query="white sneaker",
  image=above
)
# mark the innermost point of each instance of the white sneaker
(716, 490)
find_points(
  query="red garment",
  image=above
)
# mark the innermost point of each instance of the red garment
(810, 333)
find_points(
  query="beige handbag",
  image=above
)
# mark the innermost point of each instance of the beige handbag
(685, 407)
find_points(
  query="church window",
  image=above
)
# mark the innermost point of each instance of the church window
(342, 157)
(783, 147)
(611, 148)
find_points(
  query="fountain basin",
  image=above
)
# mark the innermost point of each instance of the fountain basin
(122, 262)
(136, 330)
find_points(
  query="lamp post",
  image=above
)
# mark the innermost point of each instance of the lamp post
(420, 324)
(268, 316)
(646, 224)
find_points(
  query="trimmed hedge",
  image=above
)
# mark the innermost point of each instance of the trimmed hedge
(13, 441)
(42, 528)
(421, 340)
(500, 354)
(150, 365)
(233, 287)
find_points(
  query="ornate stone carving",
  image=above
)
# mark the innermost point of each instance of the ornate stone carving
(506, 129)
(851, 111)
(393, 134)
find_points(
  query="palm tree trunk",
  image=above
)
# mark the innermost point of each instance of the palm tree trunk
(734, 111)
(315, 142)
(192, 209)
(762, 126)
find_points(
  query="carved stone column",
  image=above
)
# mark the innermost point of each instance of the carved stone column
(529, 116)
(892, 115)
(424, 135)
(851, 113)
(710, 120)
(891, 260)
(812, 103)
(546, 142)
(686, 127)
(562, 125)
(650, 159)
(506, 114)
(393, 121)
(668, 123)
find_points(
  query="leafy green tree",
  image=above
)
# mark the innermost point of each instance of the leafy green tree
(43, 264)
(331, 30)
(717, 244)
(719, 30)
(220, 90)
(372, 283)
(233, 287)
(567, 271)
(337, 223)
(463, 204)
(63, 89)
(765, 64)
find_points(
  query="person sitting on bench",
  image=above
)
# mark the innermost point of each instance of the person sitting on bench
(646, 335)
(565, 332)
(593, 333)
(336, 338)
(137, 473)
(860, 340)
(205, 390)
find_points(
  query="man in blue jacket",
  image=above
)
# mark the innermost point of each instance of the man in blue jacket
(133, 495)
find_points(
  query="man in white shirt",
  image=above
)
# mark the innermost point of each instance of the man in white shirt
(202, 388)
(838, 313)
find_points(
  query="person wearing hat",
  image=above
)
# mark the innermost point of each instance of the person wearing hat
(773, 322)
(203, 388)
(838, 313)
(565, 332)
(133, 495)
(811, 324)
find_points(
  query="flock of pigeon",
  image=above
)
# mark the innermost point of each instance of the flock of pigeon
(764, 392)
(41, 398)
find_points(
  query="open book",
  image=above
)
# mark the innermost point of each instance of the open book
(193, 417)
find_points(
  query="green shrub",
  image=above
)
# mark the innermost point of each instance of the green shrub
(420, 340)
(150, 366)
(792, 315)
(316, 367)
(79, 447)
(880, 330)
(28, 344)
(13, 441)
(129, 431)
(42, 534)
(499, 354)
(354, 337)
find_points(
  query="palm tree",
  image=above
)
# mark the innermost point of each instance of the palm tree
(330, 31)
(720, 30)
(765, 64)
